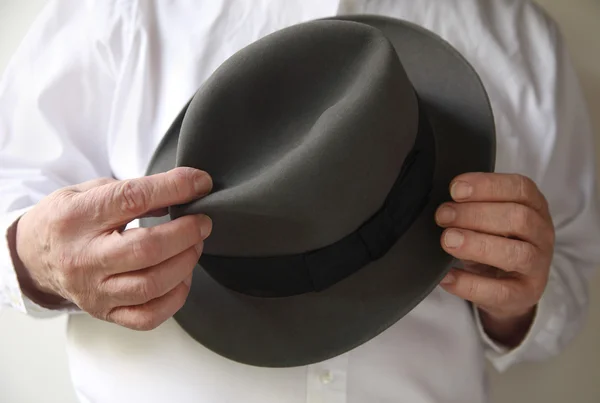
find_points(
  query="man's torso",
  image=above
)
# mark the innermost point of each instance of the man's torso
(431, 355)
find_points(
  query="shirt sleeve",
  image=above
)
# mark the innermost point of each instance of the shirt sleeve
(569, 184)
(56, 96)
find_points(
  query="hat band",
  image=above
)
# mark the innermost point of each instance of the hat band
(317, 270)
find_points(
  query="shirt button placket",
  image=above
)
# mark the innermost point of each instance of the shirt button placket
(326, 381)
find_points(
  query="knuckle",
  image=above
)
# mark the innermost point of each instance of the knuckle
(146, 321)
(62, 220)
(502, 295)
(520, 219)
(141, 320)
(108, 316)
(521, 256)
(146, 247)
(176, 186)
(526, 186)
(512, 256)
(59, 193)
(134, 197)
(89, 202)
(526, 256)
(77, 277)
(105, 181)
(60, 200)
(105, 261)
(96, 311)
(64, 216)
(528, 190)
(145, 287)
(472, 290)
(99, 306)
(483, 247)
(495, 185)
(96, 306)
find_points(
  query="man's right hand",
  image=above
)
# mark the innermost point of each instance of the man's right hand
(73, 245)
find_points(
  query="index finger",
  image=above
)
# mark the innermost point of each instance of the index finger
(495, 187)
(120, 202)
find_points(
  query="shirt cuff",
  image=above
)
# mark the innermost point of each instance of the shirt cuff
(11, 294)
(500, 356)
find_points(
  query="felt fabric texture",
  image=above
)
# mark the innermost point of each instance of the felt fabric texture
(305, 132)
(301, 112)
(316, 270)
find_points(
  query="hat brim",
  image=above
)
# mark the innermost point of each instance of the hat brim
(308, 328)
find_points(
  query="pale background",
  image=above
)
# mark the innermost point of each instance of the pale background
(33, 366)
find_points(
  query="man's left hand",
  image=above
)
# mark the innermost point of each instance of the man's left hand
(500, 227)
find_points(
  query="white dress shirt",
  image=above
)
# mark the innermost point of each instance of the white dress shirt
(95, 85)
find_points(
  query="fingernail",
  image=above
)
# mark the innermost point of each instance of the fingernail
(205, 226)
(188, 281)
(445, 215)
(202, 183)
(199, 248)
(461, 190)
(449, 278)
(453, 239)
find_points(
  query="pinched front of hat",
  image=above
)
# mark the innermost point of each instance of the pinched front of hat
(304, 133)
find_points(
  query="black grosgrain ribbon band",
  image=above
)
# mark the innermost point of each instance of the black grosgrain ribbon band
(314, 271)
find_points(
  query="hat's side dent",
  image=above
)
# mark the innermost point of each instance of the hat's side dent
(304, 133)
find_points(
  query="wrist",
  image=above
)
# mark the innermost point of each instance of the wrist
(29, 286)
(508, 330)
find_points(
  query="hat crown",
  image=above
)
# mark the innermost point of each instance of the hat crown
(304, 133)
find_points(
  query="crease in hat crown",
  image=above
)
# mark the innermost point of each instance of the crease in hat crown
(304, 132)
(223, 312)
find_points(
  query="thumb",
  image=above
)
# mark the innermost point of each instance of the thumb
(117, 203)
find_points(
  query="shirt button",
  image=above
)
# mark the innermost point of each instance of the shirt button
(326, 377)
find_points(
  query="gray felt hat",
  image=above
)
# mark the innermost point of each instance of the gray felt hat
(330, 144)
